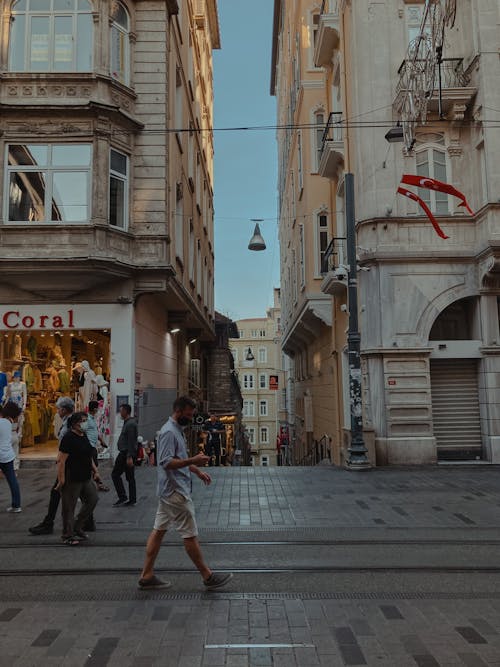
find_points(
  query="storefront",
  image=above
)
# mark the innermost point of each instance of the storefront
(85, 351)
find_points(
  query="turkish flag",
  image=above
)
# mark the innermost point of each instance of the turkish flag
(439, 186)
(412, 195)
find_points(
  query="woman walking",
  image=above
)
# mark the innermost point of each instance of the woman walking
(9, 415)
(75, 469)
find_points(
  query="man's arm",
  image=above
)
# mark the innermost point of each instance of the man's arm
(192, 462)
(132, 434)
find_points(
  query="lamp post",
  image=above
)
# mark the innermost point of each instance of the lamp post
(357, 459)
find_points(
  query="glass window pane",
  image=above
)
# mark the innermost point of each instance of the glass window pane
(120, 15)
(19, 6)
(439, 165)
(117, 54)
(63, 43)
(17, 43)
(64, 5)
(84, 40)
(71, 155)
(27, 196)
(84, 6)
(30, 154)
(117, 202)
(69, 196)
(118, 162)
(39, 46)
(39, 5)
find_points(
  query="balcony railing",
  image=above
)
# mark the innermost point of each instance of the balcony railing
(334, 255)
(455, 84)
(331, 154)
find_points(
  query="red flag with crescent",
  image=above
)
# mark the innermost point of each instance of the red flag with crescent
(439, 186)
(428, 212)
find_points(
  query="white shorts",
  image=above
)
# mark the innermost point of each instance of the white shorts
(178, 511)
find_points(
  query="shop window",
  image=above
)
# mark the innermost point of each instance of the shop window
(48, 183)
(118, 190)
(51, 36)
(120, 44)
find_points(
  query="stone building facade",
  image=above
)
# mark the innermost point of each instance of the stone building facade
(107, 193)
(429, 306)
(257, 360)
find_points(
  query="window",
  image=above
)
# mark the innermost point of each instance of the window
(248, 381)
(264, 435)
(51, 36)
(414, 15)
(264, 461)
(262, 355)
(191, 251)
(118, 190)
(249, 408)
(199, 264)
(242, 333)
(263, 381)
(178, 117)
(254, 333)
(251, 435)
(319, 121)
(321, 240)
(299, 163)
(263, 408)
(432, 162)
(48, 182)
(120, 43)
(262, 333)
(179, 224)
(302, 256)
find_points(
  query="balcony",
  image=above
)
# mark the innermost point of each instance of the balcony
(334, 269)
(456, 91)
(328, 35)
(331, 158)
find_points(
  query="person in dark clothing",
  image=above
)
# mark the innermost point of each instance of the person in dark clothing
(65, 408)
(125, 461)
(213, 428)
(75, 469)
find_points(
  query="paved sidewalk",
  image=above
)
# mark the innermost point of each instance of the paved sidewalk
(280, 522)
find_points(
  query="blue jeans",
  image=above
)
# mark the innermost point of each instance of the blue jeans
(10, 476)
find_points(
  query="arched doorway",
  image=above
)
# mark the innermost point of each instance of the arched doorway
(454, 371)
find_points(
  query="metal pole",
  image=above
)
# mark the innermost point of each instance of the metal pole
(357, 459)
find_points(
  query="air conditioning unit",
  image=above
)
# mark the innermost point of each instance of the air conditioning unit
(195, 372)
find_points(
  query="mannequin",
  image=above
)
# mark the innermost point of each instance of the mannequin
(88, 390)
(64, 379)
(16, 392)
(102, 388)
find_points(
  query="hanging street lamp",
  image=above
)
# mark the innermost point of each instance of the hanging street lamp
(257, 242)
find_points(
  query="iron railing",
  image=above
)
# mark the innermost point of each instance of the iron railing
(333, 131)
(335, 255)
(453, 74)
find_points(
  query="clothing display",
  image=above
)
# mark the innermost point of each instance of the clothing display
(38, 367)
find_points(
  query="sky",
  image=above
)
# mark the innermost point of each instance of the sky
(245, 162)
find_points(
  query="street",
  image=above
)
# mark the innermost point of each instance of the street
(395, 567)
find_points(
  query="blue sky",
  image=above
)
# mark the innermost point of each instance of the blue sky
(245, 162)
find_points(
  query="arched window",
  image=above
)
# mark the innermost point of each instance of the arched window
(120, 44)
(51, 36)
(431, 162)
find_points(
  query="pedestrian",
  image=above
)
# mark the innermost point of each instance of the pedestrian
(65, 407)
(75, 470)
(214, 428)
(95, 439)
(125, 461)
(175, 507)
(9, 414)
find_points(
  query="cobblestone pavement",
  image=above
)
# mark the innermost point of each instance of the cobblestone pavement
(275, 614)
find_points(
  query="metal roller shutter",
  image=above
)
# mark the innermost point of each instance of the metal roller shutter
(455, 408)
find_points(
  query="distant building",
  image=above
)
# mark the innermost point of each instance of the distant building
(257, 359)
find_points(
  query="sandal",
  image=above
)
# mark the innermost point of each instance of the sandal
(71, 541)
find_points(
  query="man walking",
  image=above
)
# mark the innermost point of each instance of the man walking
(125, 461)
(175, 506)
(65, 408)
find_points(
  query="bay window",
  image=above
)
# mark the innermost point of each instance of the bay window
(48, 183)
(51, 36)
(118, 190)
